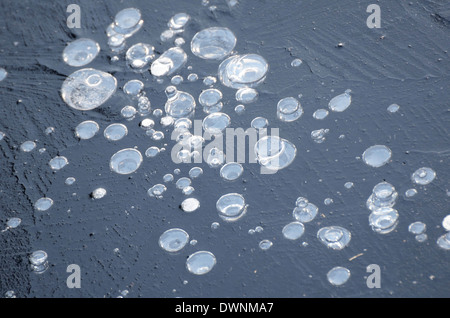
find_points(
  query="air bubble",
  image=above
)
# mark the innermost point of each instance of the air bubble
(126, 161)
(410, 193)
(169, 62)
(377, 156)
(304, 210)
(215, 158)
(289, 109)
(293, 230)
(80, 52)
(341, 102)
(190, 205)
(265, 245)
(215, 225)
(209, 80)
(28, 146)
(318, 136)
(3, 74)
(138, 56)
(69, 181)
(210, 97)
(393, 108)
(43, 204)
(320, 114)
(147, 123)
(179, 42)
(168, 177)
(274, 153)
(383, 195)
(157, 191)
(216, 123)
(166, 35)
(151, 152)
(87, 129)
(213, 43)
(296, 62)
(201, 262)
(446, 223)
(231, 171)
(348, 185)
(192, 77)
(178, 21)
(38, 260)
(239, 109)
(338, 276)
(115, 132)
(179, 104)
(88, 88)
(133, 88)
(128, 112)
(231, 207)
(98, 193)
(383, 220)
(444, 241)
(421, 237)
(423, 176)
(176, 80)
(128, 21)
(417, 228)
(173, 240)
(183, 183)
(240, 71)
(334, 237)
(58, 162)
(195, 172)
(246, 95)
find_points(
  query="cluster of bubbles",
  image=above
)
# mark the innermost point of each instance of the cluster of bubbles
(418, 229)
(126, 23)
(304, 210)
(334, 237)
(198, 263)
(210, 99)
(38, 261)
(318, 136)
(384, 218)
(87, 88)
(257, 229)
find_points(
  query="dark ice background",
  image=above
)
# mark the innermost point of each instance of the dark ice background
(403, 62)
